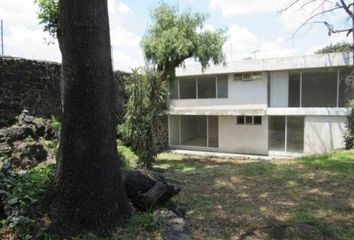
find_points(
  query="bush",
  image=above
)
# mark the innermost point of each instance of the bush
(128, 158)
(56, 125)
(146, 103)
(24, 193)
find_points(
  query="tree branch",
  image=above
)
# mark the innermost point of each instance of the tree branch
(307, 21)
(346, 8)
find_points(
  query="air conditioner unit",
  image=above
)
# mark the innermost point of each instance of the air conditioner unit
(250, 76)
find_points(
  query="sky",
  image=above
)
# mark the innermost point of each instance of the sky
(255, 29)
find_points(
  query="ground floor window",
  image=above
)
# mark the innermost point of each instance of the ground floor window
(195, 131)
(286, 134)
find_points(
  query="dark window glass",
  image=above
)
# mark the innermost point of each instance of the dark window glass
(174, 130)
(276, 133)
(345, 86)
(207, 87)
(213, 131)
(294, 89)
(319, 88)
(257, 120)
(295, 134)
(187, 88)
(222, 86)
(174, 90)
(194, 131)
(248, 119)
(240, 120)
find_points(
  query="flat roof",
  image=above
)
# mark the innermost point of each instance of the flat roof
(271, 64)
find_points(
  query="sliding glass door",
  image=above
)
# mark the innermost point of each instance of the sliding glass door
(286, 134)
(194, 131)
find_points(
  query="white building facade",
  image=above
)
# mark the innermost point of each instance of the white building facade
(281, 106)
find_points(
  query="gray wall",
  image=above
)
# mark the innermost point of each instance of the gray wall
(28, 84)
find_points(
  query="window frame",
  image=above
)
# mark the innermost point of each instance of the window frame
(197, 80)
(252, 123)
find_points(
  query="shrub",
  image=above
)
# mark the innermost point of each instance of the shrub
(128, 158)
(146, 103)
(56, 125)
(23, 193)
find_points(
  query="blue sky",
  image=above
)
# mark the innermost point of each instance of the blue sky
(255, 28)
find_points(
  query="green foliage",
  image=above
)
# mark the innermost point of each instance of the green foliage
(56, 125)
(146, 103)
(128, 158)
(174, 37)
(337, 47)
(23, 193)
(141, 223)
(38, 120)
(48, 15)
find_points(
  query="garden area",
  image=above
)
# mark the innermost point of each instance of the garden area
(220, 198)
(304, 198)
(98, 167)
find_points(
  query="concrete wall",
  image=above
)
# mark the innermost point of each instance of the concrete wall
(279, 88)
(323, 133)
(252, 94)
(251, 139)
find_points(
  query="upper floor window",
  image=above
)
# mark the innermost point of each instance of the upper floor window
(309, 88)
(200, 87)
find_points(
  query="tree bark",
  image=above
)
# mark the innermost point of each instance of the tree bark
(89, 194)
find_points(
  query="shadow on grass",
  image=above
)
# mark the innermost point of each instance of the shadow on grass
(305, 198)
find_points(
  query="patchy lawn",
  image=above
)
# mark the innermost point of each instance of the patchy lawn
(306, 198)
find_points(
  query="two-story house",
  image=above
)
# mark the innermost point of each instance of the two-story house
(276, 106)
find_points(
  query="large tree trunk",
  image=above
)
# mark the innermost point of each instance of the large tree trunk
(89, 194)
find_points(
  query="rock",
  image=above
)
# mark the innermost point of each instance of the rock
(25, 117)
(44, 129)
(5, 150)
(17, 133)
(174, 227)
(28, 154)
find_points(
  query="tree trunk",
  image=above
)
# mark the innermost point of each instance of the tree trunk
(89, 194)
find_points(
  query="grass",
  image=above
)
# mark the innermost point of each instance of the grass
(305, 198)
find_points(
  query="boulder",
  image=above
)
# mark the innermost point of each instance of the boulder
(17, 133)
(174, 227)
(28, 154)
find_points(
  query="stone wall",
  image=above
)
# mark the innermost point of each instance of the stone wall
(28, 84)
(35, 85)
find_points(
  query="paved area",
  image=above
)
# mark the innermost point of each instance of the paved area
(234, 155)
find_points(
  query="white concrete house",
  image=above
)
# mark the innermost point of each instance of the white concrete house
(276, 106)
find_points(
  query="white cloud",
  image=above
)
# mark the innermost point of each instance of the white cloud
(231, 8)
(24, 36)
(242, 43)
(330, 40)
(124, 8)
(126, 60)
(30, 43)
(126, 51)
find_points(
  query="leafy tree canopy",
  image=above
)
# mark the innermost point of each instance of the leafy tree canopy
(48, 15)
(337, 47)
(173, 37)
